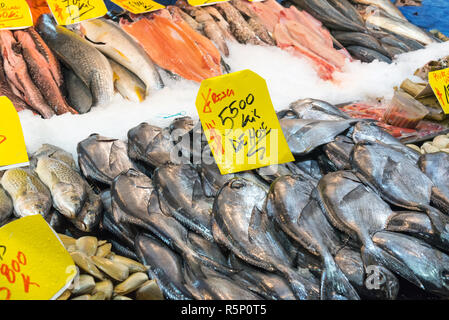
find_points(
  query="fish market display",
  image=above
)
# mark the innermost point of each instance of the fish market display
(361, 213)
(354, 199)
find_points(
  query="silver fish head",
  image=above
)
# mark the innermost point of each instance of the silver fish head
(31, 204)
(68, 200)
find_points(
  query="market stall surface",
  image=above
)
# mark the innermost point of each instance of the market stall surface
(288, 79)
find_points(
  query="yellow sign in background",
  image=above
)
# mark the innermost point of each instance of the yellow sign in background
(13, 151)
(204, 2)
(439, 81)
(34, 265)
(240, 122)
(15, 14)
(68, 12)
(138, 6)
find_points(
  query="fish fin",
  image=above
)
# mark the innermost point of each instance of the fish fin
(335, 285)
(193, 258)
(302, 283)
(439, 200)
(374, 256)
(440, 222)
(198, 193)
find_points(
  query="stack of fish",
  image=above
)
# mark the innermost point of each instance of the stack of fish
(30, 75)
(355, 202)
(370, 30)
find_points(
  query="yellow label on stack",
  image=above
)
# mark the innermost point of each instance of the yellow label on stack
(34, 264)
(13, 151)
(240, 123)
(439, 81)
(138, 6)
(15, 14)
(68, 12)
(196, 3)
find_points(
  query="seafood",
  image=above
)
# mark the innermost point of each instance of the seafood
(78, 93)
(240, 225)
(44, 69)
(398, 180)
(303, 136)
(67, 187)
(164, 38)
(288, 203)
(83, 58)
(116, 44)
(6, 207)
(127, 84)
(330, 16)
(179, 189)
(366, 54)
(29, 195)
(18, 77)
(102, 159)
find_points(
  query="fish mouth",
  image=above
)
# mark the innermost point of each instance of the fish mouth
(237, 184)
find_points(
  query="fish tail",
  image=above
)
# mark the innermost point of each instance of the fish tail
(303, 288)
(374, 258)
(194, 258)
(440, 222)
(334, 284)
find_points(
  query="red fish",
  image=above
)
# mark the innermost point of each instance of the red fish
(44, 70)
(18, 77)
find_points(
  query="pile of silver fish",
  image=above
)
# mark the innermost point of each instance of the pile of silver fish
(357, 215)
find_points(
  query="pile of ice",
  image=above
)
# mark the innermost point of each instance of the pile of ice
(288, 79)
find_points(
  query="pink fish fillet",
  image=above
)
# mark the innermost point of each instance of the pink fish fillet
(17, 73)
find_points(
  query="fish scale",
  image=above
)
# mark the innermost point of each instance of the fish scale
(84, 59)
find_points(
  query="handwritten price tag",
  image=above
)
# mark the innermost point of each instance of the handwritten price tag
(439, 81)
(138, 6)
(34, 265)
(13, 152)
(15, 14)
(197, 3)
(68, 12)
(240, 123)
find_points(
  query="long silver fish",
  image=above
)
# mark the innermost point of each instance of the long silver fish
(89, 64)
(385, 5)
(115, 43)
(397, 26)
(128, 84)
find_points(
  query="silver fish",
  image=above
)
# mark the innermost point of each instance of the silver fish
(240, 225)
(303, 136)
(89, 64)
(102, 159)
(115, 43)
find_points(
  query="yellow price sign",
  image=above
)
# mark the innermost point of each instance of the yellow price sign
(15, 14)
(138, 6)
(68, 12)
(240, 123)
(439, 81)
(197, 3)
(33, 262)
(13, 151)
